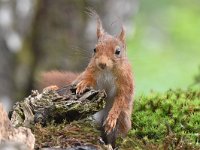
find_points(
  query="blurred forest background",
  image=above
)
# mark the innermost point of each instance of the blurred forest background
(163, 40)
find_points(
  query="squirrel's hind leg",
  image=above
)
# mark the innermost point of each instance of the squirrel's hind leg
(123, 125)
(109, 138)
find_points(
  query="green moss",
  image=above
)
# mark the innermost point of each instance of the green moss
(170, 118)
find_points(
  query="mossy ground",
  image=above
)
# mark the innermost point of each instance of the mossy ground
(66, 135)
(170, 120)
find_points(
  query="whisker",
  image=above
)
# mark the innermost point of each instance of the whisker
(119, 59)
(78, 51)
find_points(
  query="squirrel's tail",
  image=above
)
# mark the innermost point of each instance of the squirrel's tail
(57, 78)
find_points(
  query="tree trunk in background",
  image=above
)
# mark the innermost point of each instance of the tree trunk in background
(57, 28)
(58, 24)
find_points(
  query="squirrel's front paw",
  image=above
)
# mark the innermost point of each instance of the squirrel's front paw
(110, 123)
(81, 86)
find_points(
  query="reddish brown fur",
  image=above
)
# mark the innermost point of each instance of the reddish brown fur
(57, 78)
(121, 68)
(118, 118)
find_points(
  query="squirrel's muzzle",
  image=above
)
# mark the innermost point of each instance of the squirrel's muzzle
(104, 62)
(102, 65)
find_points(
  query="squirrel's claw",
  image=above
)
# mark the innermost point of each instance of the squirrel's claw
(109, 124)
(81, 86)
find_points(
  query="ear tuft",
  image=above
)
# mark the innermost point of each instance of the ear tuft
(122, 35)
(100, 30)
(91, 12)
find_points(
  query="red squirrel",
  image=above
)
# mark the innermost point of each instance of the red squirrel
(108, 69)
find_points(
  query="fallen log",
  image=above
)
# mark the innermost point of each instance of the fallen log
(61, 118)
(56, 106)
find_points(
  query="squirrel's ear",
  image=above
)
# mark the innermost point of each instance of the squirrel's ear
(122, 35)
(100, 30)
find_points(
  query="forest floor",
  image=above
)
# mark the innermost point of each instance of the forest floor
(168, 120)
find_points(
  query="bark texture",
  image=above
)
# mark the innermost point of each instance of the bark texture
(20, 138)
(56, 105)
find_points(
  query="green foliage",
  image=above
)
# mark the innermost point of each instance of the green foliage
(174, 112)
(165, 45)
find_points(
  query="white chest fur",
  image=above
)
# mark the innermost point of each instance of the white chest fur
(107, 81)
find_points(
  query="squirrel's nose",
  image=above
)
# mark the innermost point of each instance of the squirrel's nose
(102, 65)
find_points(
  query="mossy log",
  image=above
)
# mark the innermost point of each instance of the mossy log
(61, 118)
(56, 106)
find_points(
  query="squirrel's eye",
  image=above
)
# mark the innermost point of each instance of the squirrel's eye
(94, 50)
(117, 51)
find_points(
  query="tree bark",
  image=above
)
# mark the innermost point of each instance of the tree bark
(57, 106)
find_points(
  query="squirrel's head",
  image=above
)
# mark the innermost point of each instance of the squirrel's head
(110, 51)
